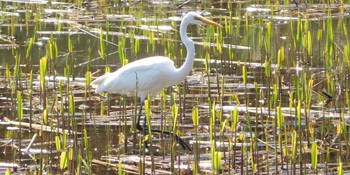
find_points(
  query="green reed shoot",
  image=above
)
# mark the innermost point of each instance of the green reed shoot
(58, 143)
(343, 126)
(340, 170)
(29, 47)
(78, 161)
(291, 99)
(102, 108)
(314, 155)
(246, 22)
(251, 155)
(163, 106)
(71, 105)
(30, 97)
(347, 99)
(16, 71)
(211, 120)
(294, 146)
(13, 29)
(70, 44)
(292, 33)
(308, 94)
(280, 118)
(298, 113)
(52, 49)
(309, 43)
(64, 140)
(72, 112)
(63, 160)
(330, 83)
(137, 45)
(234, 118)
(218, 43)
(102, 2)
(60, 87)
(45, 116)
(87, 82)
(121, 51)
(153, 43)
(87, 163)
(274, 95)
(244, 75)
(195, 120)
(306, 43)
(175, 112)
(43, 70)
(19, 106)
(299, 32)
(346, 54)
(215, 159)
(268, 37)
(107, 31)
(102, 47)
(229, 25)
(280, 57)
(8, 172)
(329, 41)
(120, 168)
(148, 115)
(149, 125)
(8, 73)
(267, 67)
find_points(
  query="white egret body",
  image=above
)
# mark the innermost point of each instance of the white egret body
(150, 75)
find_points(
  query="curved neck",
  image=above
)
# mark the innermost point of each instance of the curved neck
(186, 68)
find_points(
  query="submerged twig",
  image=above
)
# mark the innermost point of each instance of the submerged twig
(41, 127)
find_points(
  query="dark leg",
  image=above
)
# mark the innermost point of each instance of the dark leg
(145, 128)
(138, 126)
(305, 3)
(181, 142)
(296, 3)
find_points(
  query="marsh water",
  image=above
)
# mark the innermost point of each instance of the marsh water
(268, 93)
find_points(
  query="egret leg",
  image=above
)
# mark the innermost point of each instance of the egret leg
(144, 128)
(138, 126)
(297, 3)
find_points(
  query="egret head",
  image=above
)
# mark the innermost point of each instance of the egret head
(196, 18)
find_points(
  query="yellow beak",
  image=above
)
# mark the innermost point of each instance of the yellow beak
(209, 22)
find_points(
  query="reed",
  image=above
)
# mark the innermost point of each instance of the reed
(8, 172)
(102, 47)
(87, 159)
(121, 51)
(63, 160)
(314, 155)
(195, 119)
(340, 169)
(149, 139)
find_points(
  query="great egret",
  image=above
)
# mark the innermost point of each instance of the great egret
(150, 75)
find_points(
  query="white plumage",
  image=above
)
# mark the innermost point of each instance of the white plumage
(150, 75)
(147, 76)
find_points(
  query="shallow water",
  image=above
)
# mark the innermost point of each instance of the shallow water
(311, 81)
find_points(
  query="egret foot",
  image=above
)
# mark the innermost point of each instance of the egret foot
(178, 139)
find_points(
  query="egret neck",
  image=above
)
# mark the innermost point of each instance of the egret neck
(185, 69)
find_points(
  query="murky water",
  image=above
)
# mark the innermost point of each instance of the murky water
(268, 86)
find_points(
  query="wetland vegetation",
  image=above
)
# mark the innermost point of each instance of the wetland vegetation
(269, 93)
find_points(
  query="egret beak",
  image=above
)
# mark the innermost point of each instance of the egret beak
(209, 22)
